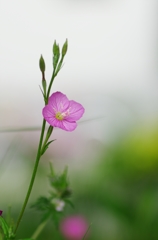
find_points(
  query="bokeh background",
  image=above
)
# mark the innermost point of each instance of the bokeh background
(111, 69)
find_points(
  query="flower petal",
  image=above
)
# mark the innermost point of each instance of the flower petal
(48, 114)
(58, 101)
(76, 111)
(69, 126)
(70, 110)
(65, 125)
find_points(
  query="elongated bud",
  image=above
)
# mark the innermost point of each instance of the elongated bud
(42, 64)
(1, 212)
(56, 50)
(49, 132)
(64, 48)
(56, 54)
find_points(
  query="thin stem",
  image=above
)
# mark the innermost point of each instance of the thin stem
(39, 230)
(51, 82)
(33, 176)
(37, 157)
(86, 232)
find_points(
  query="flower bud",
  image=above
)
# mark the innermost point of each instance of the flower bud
(56, 50)
(56, 54)
(1, 212)
(64, 48)
(42, 64)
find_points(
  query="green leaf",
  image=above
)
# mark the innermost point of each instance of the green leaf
(60, 184)
(44, 95)
(5, 227)
(44, 85)
(49, 132)
(41, 204)
(46, 146)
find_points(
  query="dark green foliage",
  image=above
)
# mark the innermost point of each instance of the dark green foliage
(52, 207)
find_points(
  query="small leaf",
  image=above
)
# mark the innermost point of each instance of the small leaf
(44, 85)
(4, 226)
(49, 132)
(41, 204)
(46, 146)
(45, 99)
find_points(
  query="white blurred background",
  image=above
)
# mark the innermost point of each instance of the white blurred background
(110, 67)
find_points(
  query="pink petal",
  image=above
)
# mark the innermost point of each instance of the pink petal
(65, 125)
(69, 126)
(58, 101)
(76, 111)
(48, 112)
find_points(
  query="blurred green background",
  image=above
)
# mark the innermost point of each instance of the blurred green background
(116, 190)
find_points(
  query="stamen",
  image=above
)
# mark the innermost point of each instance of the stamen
(59, 116)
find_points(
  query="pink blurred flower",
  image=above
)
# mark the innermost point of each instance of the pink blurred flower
(1, 212)
(61, 112)
(74, 227)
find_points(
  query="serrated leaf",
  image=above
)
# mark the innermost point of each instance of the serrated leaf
(41, 204)
(59, 182)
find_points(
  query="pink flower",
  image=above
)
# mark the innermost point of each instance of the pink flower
(61, 112)
(1, 212)
(74, 227)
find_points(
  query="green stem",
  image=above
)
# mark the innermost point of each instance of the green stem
(33, 176)
(50, 85)
(37, 158)
(86, 232)
(39, 230)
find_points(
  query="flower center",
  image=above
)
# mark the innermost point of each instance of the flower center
(59, 116)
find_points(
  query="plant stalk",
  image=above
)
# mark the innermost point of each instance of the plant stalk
(32, 178)
(39, 230)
